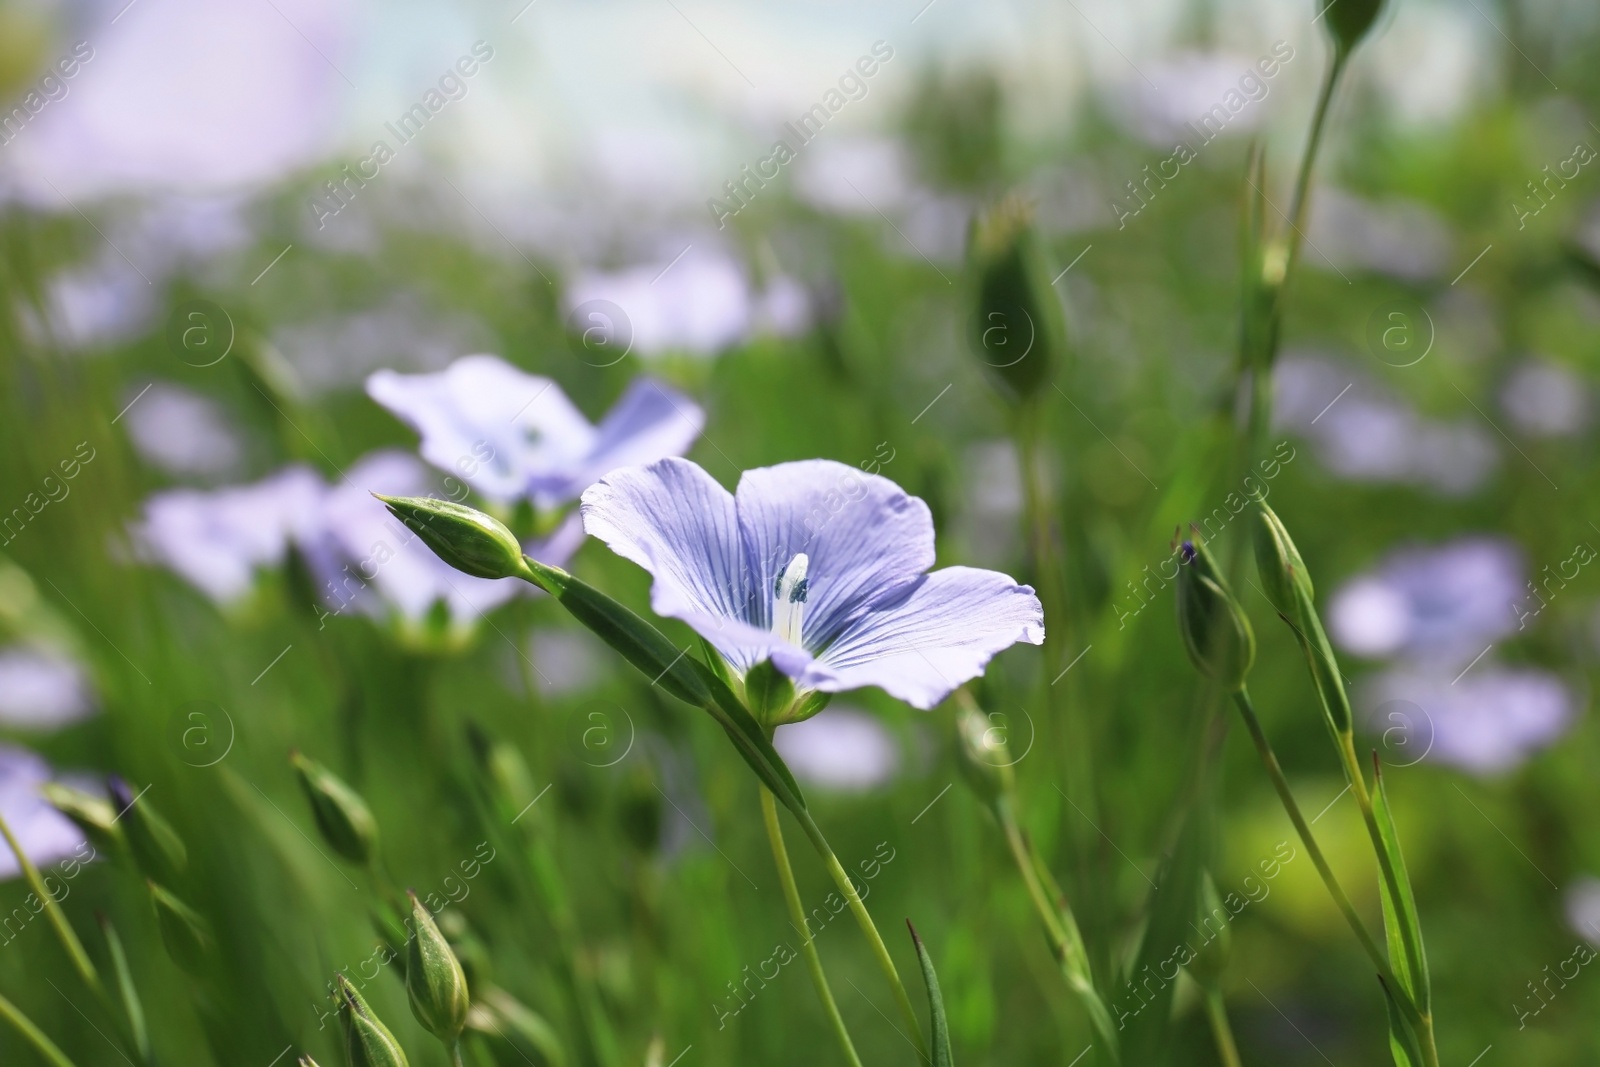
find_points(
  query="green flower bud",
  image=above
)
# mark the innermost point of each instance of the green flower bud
(343, 817)
(367, 1042)
(1283, 573)
(156, 847)
(769, 693)
(465, 538)
(983, 754)
(1017, 329)
(1215, 632)
(434, 980)
(306, 1061)
(93, 815)
(184, 931)
(1350, 20)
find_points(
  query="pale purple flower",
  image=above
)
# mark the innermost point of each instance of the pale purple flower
(1546, 399)
(1582, 901)
(218, 540)
(182, 432)
(699, 304)
(41, 688)
(1443, 604)
(45, 835)
(1487, 720)
(817, 567)
(512, 435)
(840, 749)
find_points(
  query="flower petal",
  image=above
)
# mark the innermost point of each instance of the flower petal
(934, 636)
(675, 521)
(866, 539)
(649, 421)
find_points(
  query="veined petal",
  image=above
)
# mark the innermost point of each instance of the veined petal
(931, 638)
(675, 521)
(866, 538)
(648, 421)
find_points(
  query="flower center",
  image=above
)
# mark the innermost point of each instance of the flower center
(789, 599)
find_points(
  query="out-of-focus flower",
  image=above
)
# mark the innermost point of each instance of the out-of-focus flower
(217, 540)
(1486, 721)
(816, 567)
(566, 661)
(1190, 84)
(699, 304)
(45, 834)
(512, 435)
(182, 432)
(840, 749)
(1546, 399)
(41, 689)
(1402, 239)
(1582, 900)
(96, 305)
(850, 175)
(1441, 604)
(334, 351)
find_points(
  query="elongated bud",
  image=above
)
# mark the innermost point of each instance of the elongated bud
(184, 931)
(156, 847)
(434, 980)
(984, 755)
(466, 538)
(343, 817)
(1017, 329)
(1283, 573)
(1349, 21)
(93, 815)
(367, 1042)
(1215, 632)
(307, 1061)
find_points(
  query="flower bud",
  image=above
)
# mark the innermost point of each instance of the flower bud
(367, 1042)
(93, 815)
(1017, 329)
(343, 817)
(465, 538)
(306, 1061)
(983, 754)
(157, 849)
(1283, 573)
(1215, 632)
(769, 694)
(434, 980)
(184, 931)
(1350, 20)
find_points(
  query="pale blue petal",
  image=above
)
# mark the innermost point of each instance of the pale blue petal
(649, 421)
(865, 539)
(931, 638)
(675, 521)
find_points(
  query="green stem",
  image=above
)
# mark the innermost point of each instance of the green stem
(864, 920)
(33, 1035)
(598, 1045)
(1269, 760)
(455, 1055)
(797, 914)
(1221, 1031)
(58, 919)
(1302, 182)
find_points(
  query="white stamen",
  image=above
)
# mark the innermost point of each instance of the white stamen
(789, 599)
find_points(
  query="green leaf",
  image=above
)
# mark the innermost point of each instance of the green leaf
(1403, 1044)
(941, 1026)
(1164, 949)
(1400, 923)
(131, 1005)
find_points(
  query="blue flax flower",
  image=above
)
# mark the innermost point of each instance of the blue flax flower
(815, 566)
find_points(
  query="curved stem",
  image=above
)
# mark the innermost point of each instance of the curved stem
(1221, 1031)
(1269, 760)
(33, 1035)
(864, 920)
(58, 920)
(797, 914)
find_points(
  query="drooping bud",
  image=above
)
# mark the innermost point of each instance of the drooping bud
(184, 931)
(367, 1042)
(93, 815)
(434, 980)
(343, 817)
(1215, 632)
(984, 755)
(466, 538)
(156, 847)
(1350, 20)
(1017, 328)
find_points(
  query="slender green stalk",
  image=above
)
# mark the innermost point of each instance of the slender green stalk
(598, 1043)
(1221, 1031)
(1269, 760)
(455, 1055)
(33, 1035)
(797, 913)
(58, 919)
(864, 920)
(1302, 182)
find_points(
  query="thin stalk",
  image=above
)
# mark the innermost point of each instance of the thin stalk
(598, 1045)
(1221, 1031)
(1269, 760)
(33, 1035)
(864, 920)
(797, 914)
(1302, 182)
(58, 919)
(455, 1055)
